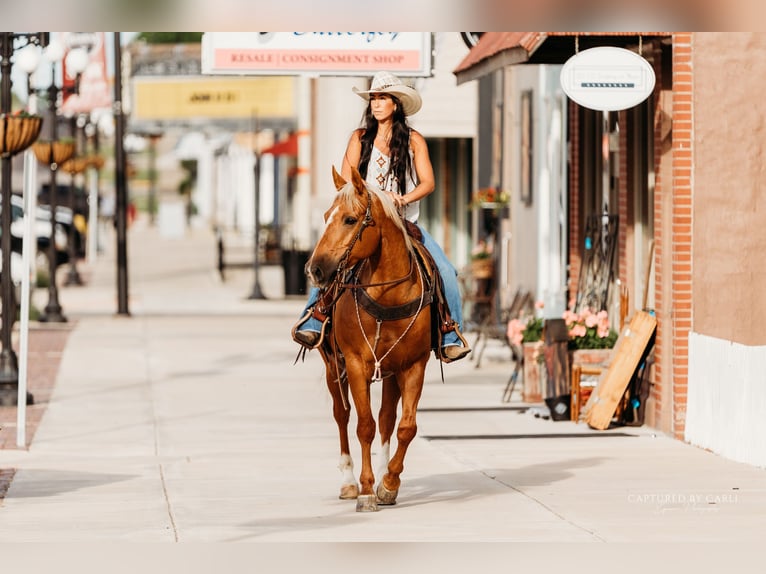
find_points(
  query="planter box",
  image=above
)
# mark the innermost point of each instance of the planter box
(534, 372)
(482, 268)
(591, 357)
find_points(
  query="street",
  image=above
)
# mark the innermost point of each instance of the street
(188, 422)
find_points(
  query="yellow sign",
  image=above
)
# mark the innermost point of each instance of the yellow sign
(162, 99)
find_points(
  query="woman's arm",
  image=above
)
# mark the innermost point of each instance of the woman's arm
(423, 168)
(353, 154)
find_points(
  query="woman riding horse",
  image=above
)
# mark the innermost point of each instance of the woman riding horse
(378, 297)
(394, 158)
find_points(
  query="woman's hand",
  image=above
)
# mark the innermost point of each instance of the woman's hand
(397, 199)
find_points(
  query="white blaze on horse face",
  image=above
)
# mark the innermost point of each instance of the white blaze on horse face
(346, 466)
(330, 217)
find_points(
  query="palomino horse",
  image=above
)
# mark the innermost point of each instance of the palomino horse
(380, 330)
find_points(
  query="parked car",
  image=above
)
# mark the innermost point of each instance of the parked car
(64, 211)
(42, 229)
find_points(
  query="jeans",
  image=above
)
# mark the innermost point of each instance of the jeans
(451, 291)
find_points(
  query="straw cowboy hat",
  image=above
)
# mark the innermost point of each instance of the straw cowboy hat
(387, 83)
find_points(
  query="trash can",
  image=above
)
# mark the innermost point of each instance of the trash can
(294, 264)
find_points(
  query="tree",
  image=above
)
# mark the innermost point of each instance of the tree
(170, 37)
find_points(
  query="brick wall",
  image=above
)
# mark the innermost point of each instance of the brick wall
(661, 189)
(624, 211)
(575, 240)
(681, 240)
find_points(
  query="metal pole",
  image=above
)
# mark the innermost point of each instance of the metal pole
(73, 276)
(52, 312)
(257, 292)
(120, 183)
(24, 397)
(152, 200)
(9, 370)
(93, 238)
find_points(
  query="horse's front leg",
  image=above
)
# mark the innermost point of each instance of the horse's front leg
(386, 421)
(365, 432)
(337, 384)
(411, 387)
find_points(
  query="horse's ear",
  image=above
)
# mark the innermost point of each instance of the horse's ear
(338, 179)
(356, 178)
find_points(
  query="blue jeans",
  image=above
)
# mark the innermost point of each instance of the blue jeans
(451, 291)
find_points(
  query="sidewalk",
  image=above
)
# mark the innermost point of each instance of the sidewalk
(189, 422)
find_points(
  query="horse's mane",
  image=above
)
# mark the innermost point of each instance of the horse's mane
(352, 201)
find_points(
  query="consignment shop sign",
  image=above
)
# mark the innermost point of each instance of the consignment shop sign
(317, 53)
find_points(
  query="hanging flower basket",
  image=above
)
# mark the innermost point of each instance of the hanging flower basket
(95, 161)
(75, 165)
(17, 132)
(53, 152)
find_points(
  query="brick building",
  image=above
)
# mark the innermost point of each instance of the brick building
(682, 173)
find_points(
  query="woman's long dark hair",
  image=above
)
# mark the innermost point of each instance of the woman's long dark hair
(400, 164)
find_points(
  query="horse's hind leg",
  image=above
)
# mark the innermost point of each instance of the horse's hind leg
(338, 387)
(411, 386)
(386, 420)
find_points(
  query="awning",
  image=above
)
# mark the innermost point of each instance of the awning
(287, 147)
(496, 50)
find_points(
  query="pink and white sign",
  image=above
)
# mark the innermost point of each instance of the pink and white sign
(317, 53)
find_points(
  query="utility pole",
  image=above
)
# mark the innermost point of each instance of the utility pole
(120, 184)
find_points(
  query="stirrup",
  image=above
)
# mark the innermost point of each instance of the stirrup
(462, 339)
(306, 316)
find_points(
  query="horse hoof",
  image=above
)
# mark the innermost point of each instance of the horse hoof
(349, 492)
(366, 503)
(386, 497)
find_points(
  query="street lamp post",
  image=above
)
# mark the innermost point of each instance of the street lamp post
(53, 312)
(9, 370)
(73, 276)
(76, 62)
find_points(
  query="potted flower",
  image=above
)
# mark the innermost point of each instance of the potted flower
(482, 265)
(489, 198)
(529, 335)
(591, 336)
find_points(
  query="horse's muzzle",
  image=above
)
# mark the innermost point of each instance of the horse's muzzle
(320, 271)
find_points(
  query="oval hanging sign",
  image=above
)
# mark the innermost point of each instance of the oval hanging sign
(607, 78)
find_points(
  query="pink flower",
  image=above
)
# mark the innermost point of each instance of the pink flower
(578, 331)
(515, 331)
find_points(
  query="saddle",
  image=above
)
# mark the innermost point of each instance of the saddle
(441, 320)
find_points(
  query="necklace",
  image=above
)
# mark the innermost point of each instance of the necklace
(383, 138)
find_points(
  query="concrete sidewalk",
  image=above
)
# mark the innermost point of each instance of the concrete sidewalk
(189, 422)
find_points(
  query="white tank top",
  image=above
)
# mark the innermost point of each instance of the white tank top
(377, 172)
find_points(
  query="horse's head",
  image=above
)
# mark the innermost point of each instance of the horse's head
(350, 233)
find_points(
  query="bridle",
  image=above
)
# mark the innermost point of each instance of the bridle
(366, 222)
(340, 271)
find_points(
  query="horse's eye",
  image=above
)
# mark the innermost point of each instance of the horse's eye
(350, 220)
